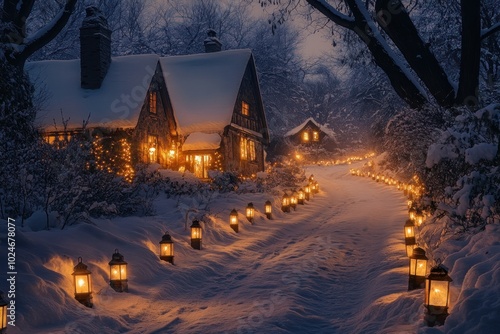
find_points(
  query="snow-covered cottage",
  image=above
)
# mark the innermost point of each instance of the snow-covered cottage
(198, 112)
(310, 133)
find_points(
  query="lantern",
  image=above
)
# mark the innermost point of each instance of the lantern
(418, 269)
(83, 284)
(419, 217)
(410, 245)
(301, 197)
(409, 230)
(285, 203)
(167, 248)
(311, 178)
(3, 313)
(268, 207)
(437, 295)
(118, 273)
(196, 234)
(412, 212)
(316, 187)
(294, 200)
(233, 220)
(307, 191)
(250, 212)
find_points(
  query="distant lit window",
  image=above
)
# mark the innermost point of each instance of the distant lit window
(251, 150)
(305, 136)
(243, 149)
(245, 108)
(152, 148)
(152, 102)
(315, 136)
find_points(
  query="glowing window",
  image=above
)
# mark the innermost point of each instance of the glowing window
(315, 136)
(152, 148)
(245, 108)
(152, 102)
(251, 150)
(305, 136)
(243, 148)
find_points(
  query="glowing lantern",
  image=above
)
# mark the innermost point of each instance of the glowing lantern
(250, 212)
(268, 207)
(196, 234)
(311, 178)
(409, 230)
(118, 273)
(437, 295)
(167, 248)
(3, 313)
(410, 245)
(419, 217)
(301, 197)
(233, 220)
(418, 269)
(307, 191)
(412, 212)
(285, 203)
(316, 187)
(294, 200)
(83, 284)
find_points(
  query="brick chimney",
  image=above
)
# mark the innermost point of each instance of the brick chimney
(95, 48)
(212, 43)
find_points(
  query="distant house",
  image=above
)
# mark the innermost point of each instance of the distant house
(196, 112)
(307, 142)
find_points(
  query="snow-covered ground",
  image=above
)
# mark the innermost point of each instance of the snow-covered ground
(336, 265)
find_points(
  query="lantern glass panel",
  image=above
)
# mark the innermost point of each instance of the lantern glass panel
(233, 220)
(196, 233)
(436, 293)
(268, 208)
(409, 231)
(301, 195)
(418, 267)
(250, 212)
(82, 283)
(118, 272)
(167, 249)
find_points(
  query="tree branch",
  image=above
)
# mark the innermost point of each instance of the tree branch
(46, 34)
(485, 33)
(332, 14)
(9, 10)
(22, 15)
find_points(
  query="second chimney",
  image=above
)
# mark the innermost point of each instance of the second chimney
(95, 49)
(212, 43)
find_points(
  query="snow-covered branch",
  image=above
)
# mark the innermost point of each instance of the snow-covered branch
(490, 31)
(331, 13)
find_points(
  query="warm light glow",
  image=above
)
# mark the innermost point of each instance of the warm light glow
(245, 108)
(418, 267)
(250, 212)
(315, 136)
(3, 316)
(268, 208)
(305, 136)
(118, 272)
(82, 284)
(167, 250)
(409, 249)
(196, 233)
(152, 150)
(438, 293)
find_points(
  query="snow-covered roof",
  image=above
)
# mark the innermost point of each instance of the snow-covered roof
(201, 141)
(203, 88)
(116, 104)
(323, 128)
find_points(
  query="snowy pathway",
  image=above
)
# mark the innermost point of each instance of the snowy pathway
(336, 265)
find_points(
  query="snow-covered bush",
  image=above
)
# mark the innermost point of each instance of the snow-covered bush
(464, 162)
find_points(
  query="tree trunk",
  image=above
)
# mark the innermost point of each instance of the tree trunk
(400, 79)
(468, 88)
(395, 21)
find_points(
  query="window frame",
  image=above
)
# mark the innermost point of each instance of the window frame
(245, 108)
(153, 102)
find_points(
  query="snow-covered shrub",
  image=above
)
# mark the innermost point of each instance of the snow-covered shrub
(465, 163)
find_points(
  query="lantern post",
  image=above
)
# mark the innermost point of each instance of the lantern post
(250, 212)
(196, 232)
(118, 272)
(268, 207)
(418, 269)
(301, 197)
(285, 203)
(233, 220)
(167, 248)
(437, 296)
(82, 283)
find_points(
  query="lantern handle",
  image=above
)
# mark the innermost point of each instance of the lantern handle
(438, 262)
(116, 250)
(79, 259)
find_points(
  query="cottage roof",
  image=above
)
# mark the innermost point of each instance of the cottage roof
(201, 141)
(203, 88)
(298, 128)
(116, 104)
